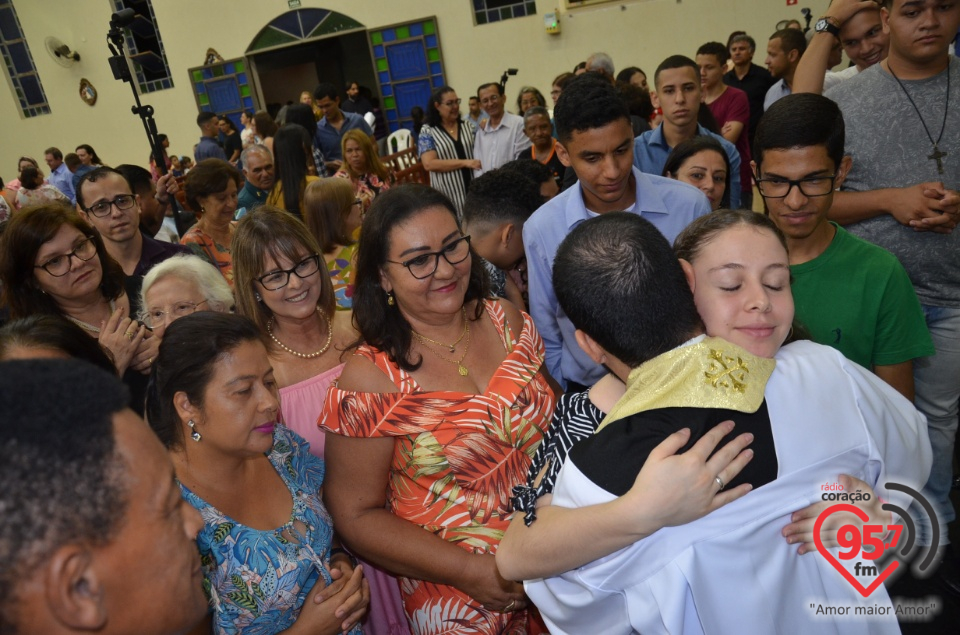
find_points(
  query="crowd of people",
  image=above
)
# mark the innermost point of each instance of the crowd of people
(574, 384)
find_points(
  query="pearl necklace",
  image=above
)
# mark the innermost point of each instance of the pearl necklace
(304, 355)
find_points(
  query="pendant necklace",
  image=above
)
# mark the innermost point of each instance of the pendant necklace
(937, 153)
(463, 370)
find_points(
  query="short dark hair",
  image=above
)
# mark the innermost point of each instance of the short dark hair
(53, 332)
(488, 85)
(791, 40)
(204, 117)
(207, 177)
(801, 121)
(530, 168)
(588, 101)
(55, 152)
(326, 89)
(675, 61)
(189, 352)
(501, 196)
(716, 49)
(380, 325)
(562, 79)
(744, 38)
(686, 149)
(63, 479)
(30, 178)
(621, 260)
(139, 179)
(637, 100)
(92, 177)
(23, 236)
(72, 160)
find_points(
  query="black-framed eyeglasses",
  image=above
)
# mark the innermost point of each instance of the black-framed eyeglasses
(424, 265)
(154, 317)
(102, 208)
(812, 186)
(60, 265)
(281, 277)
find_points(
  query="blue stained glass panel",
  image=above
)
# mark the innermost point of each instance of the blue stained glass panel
(392, 114)
(242, 78)
(435, 68)
(431, 41)
(8, 24)
(290, 23)
(224, 95)
(384, 77)
(407, 60)
(201, 89)
(410, 94)
(378, 50)
(230, 69)
(389, 35)
(311, 19)
(248, 103)
(493, 16)
(387, 90)
(21, 57)
(416, 29)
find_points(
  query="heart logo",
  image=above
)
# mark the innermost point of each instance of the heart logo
(864, 591)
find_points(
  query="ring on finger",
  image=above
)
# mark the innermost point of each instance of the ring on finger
(719, 482)
(509, 607)
(129, 335)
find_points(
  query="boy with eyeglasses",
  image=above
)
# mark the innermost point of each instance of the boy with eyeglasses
(850, 294)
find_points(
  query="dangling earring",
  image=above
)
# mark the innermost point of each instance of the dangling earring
(193, 431)
(390, 300)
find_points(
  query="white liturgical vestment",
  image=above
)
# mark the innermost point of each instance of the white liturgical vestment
(732, 572)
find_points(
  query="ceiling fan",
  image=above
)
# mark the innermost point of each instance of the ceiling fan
(60, 52)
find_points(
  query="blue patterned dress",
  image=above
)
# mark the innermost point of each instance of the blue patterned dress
(258, 580)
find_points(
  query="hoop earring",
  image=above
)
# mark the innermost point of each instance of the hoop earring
(193, 431)
(390, 300)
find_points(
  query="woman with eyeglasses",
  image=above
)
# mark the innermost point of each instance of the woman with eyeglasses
(333, 214)
(445, 145)
(362, 167)
(443, 403)
(282, 287)
(179, 286)
(54, 263)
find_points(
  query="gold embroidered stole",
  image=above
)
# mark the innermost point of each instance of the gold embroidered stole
(712, 373)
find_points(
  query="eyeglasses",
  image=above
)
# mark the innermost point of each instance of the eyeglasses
(424, 265)
(777, 187)
(281, 278)
(154, 318)
(60, 265)
(451, 103)
(101, 209)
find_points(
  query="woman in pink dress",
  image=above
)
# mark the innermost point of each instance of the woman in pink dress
(282, 285)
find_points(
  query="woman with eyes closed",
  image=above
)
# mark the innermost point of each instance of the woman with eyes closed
(282, 285)
(443, 403)
(702, 163)
(736, 266)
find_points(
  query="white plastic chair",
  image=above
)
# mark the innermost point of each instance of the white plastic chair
(399, 140)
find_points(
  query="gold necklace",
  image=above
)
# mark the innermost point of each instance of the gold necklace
(304, 355)
(424, 338)
(466, 347)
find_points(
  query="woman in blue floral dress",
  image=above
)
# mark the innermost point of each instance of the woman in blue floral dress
(270, 556)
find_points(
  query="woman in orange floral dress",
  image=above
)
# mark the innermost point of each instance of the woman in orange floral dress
(435, 418)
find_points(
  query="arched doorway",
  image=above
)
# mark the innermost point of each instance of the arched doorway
(401, 64)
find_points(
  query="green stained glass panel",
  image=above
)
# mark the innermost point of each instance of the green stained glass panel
(204, 100)
(376, 37)
(429, 28)
(198, 76)
(403, 32)
(240, 66)
(244, 91)
(389, 102)
(382, 64)
(433, 55)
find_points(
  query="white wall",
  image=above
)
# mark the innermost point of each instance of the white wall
(633, 32)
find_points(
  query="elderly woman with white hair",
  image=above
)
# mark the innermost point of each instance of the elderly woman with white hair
(179, 286)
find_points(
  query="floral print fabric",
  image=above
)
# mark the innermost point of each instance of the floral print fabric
(456, 459)
(258, 580)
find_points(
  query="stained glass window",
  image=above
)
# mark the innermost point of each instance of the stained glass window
(20, 67)
(145, 47)
(488, 11)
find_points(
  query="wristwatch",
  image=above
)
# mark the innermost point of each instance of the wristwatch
(827, 25)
